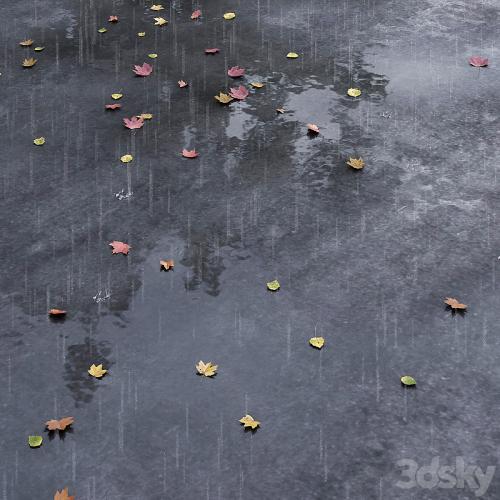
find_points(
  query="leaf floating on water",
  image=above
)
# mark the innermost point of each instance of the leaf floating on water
(196, 14)
(157, 7)
(478, 61)
(280, 110)
(57, 312)
(102, 30)
(206, 369)
(408, 381)
(273, 285)
(97, 371)
(63, 495)
(120, 247)
(317, 342)
(38, 49)
(249, 421)
(292, 55)
(190, 153)
(182, 84)
(113, 19)
(144, 70)
(354, 92)
(116, 96)
(126, 158)
(223, 98)
(239, 93)
(257, 85)
(212, 51)
(166, 265)
(145, 116)
(133, 123)
(152, 56)
(229, 15)
(356, 163)
(112, 106)
(39, 141)
(35, 441)
(160, 21)
(28, 63)
(236, 72)
(26, 43)
(141, 33)
(455, 304)
(312, 128)
(59, 425)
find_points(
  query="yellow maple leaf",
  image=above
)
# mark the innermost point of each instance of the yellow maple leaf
(160, 21)
(97, 371)
(126, 158)
(27, 63)
(153, 56)
(157, 7)
(249, 421)
(38, 49)
(39, 141)
(116, 96)
(223, 98)
(256, 85)
(292, 55)
(102, 30)
(273, 285)
(206, 369)
(317, 342)
(354, 92)
(356, 163)
(229, 15)
(141, 33)
(145, 116)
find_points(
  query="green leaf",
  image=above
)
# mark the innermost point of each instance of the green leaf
(408, 381)
(35, 441)
(273, 285)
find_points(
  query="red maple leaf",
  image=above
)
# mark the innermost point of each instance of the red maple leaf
(182, 84)
(236, 71)
(212, 51)
(478, 61)
(239, 93)
(144, 70)
(312, 128)
(196, 14)
(120, 247)
(189, 154)
(113, 106)
(134, 122)
(113, 19)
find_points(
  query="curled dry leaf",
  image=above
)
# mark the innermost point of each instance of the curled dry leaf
(97, 371)
(229, 15)
(239, 93)
(166, 265)
(257, 85)
(249, 421)
(189, 153)
(317, 342)
(57, 312)
(182, 84)
(112, 106)
(126, 158)
(236, 72)
(26, 43)
(35, 441)
(212, 51)
(63, 495)
(113, 19)
(196, 14)
(353, 92)
(39, 141)
(120, 247)
(274, 285)
(116, 96)
(59, 425)
(157, 7)
(292, 55)
(356, 163)
(133, 123)
(206, 369)
(408, 381)
(312, 128)
(455, 304)
(160, 21)
(144, 70)
(478, 61)
(223, 98)
(28, 63)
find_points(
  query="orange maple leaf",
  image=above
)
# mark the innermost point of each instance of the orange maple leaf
(455, 304)
(59, 425)
(63, 495)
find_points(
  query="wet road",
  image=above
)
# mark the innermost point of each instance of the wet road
(364, 258)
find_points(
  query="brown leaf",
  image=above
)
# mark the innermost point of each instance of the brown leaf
(28, 63)
(455, 304)
(166, 265)
(59, 425)
(63, 495)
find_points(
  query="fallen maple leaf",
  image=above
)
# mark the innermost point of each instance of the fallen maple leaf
(144, 70)
(223, 98)
(97, 371)
(57, 312)
(116, 96)
(229, 15)
(63, 495)
(249, 421)
(212, 51)
(206, 369)
(28, 63)
(280, 110)
(120, 247)
(26, 43)
(356, 163)
(236, 71)
(157, 7)
(113, 19)
(274, 285)
(317, 342)
(145, 116)
(35, 441)
(312, 128)
(189, 153)
(239, 93)
(257, 85)
(126, 158)
(113, 106)
(133, 123)
(141, 33)
(354, 92)
(59, 425)
(196, 14)
(166, 265)
(160, 21)
(182, 84)
(292, 55)
(478, 61)
(455, 304)
(39, 141)
(102, 30)
(38, 49)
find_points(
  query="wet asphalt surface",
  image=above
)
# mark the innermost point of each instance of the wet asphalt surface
(364, 258)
